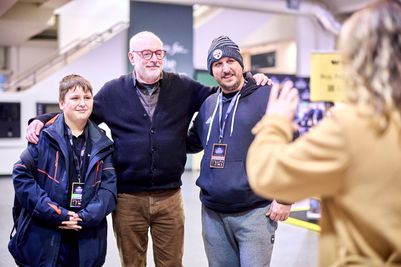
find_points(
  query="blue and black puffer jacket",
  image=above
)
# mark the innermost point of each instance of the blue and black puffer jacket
(41, 187)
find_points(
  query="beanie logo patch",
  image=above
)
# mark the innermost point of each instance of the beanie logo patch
(217, 53)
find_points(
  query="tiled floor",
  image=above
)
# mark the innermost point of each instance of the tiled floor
(295, 246)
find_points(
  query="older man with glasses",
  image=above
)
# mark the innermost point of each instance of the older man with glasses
(148, 112)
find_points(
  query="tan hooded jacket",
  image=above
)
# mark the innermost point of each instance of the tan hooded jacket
(355, 171)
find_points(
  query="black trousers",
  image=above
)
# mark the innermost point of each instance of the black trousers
(68, 255)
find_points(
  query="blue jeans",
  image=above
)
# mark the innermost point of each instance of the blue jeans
(243, 239)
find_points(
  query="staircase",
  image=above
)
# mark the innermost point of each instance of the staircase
(61, 58)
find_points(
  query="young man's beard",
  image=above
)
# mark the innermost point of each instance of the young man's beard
(232, 88)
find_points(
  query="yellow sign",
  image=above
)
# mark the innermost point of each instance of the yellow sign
(327, 77)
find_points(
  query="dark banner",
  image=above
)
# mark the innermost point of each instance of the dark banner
(309, 113)
(173, 24)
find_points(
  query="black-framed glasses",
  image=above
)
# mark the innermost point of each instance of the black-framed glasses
(148, 54)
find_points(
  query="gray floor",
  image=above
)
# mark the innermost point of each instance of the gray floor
(295, 246)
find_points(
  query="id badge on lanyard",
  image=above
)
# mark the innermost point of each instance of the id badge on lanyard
(77, 187)
(218, 156)
(219, 150)
(76, 195)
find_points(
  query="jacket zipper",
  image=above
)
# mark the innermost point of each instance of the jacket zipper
(56, 166)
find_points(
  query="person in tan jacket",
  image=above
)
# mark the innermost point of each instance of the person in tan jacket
(352, 159)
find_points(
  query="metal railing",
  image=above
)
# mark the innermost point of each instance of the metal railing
(61, 58)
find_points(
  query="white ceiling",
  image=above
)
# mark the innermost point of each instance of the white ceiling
(343, 6)
(337, 7)
(22, 19)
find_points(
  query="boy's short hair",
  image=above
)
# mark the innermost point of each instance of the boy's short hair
(72, 81)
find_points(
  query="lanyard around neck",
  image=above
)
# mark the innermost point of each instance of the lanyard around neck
(78, 162)
(222, 123)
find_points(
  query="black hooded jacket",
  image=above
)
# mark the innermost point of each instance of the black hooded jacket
(227, 190)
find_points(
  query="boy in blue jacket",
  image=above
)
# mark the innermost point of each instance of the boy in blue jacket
(66, 186)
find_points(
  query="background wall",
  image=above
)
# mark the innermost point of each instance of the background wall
(24, 57)
(293, 37)
(98, 66)
(265, 29)
(81, 18)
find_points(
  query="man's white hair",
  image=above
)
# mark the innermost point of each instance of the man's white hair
(140, 35)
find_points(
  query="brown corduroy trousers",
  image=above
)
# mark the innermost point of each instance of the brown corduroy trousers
(160, 211)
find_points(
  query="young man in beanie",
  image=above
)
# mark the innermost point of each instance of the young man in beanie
(238, 226)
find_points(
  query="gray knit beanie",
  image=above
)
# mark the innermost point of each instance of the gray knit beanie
(222, 46)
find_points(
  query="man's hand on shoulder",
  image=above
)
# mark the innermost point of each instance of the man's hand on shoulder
(262, 79)
(33, 130)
